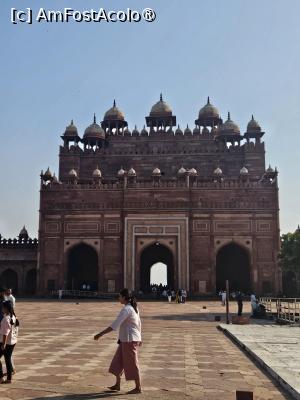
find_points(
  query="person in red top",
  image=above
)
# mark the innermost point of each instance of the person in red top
(8, 338)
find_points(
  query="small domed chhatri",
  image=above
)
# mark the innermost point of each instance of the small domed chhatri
(23, 234)
(97, 173)
(121, 172)
(131, 172)
(181, 171)
(253, 130)
(160, 116)
(187, 131)
(48, 175)
(144, 131)
(73, 173)
(93, 134)
(193, 172)
(196, 131)
(71, 131)
(253, 126)
(218, 171)
(161, 108)
(156, 172)
(114, 118)
(208, 115)
(229, 127)
(244, 171)
(114, 113)
(135, 131)
(178, 131)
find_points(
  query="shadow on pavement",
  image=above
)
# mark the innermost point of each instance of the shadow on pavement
(86, 396)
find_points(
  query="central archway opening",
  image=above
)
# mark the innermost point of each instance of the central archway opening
(83, 268)
(156, 266)
(233, 264)
(159, 274)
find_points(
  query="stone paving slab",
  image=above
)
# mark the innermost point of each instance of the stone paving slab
(275, 347)
(184, 355)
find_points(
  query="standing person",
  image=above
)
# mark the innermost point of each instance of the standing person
(9, 296)
(126, 356)
(253, 301)
(169, 294)
(180, 296)
(223, 295)
(184, 295)
(239, 299)
(2, 300)
(8, 339)
(60, 294)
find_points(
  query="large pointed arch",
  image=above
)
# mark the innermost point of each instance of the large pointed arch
(233, 264)
(151, 255)
(82, 268)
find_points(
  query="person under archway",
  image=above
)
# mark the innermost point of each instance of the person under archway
(126, 357)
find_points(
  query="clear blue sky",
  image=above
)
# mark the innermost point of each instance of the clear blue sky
(244, 54)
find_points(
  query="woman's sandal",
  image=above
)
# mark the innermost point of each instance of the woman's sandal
(135, 391)
(115, 388)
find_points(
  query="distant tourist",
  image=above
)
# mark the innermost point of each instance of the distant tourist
(9, 296)
(223, 297)
(169, 294)
(8, 339)
(2, 300)
(239, 299)
(254, 303)
(184, 295)
(180, 296)
(60, 294)
(126, 357)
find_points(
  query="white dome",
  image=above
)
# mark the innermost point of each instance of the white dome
(244, 171)
(218, 171)
(193, 171)
(73, 173)
(97, 173)
(132, 172)
(156, 171)
(121, 172)
(181, 171)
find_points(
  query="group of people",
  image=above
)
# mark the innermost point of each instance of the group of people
(8, 333)
(178, 296)
(257, 309)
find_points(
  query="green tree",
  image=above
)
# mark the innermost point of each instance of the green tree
(289, 259)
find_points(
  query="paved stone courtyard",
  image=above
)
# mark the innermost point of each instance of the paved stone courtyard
(183, 355)
(275, 347)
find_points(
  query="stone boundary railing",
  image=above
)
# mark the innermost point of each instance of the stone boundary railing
(283, 309)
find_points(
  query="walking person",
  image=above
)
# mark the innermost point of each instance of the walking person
(9, 296)
(126, 357)
(184, 296)
(239, 299)
(254, 303)
(2, 300)
(8, 339)
(169, 294)
(180, 296)
(223, 295)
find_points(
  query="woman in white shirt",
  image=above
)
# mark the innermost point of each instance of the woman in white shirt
(8, 337)
(126, 357)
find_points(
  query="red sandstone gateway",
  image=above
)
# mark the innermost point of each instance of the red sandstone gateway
(199, 200)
